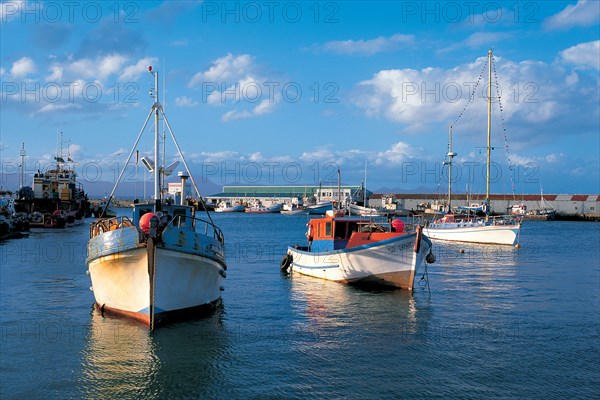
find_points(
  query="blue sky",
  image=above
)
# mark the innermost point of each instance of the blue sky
(286, 92)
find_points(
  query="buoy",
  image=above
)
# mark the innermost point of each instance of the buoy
(518, 246)
(286, 261)
(145, 222)
(398, 225)
(430, 258)
(462, 251)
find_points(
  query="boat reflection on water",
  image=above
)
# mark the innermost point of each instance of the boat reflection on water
(337, 313)
(121, 359)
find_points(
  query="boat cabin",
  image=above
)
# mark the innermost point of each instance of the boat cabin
(339, 232)
(167, 214)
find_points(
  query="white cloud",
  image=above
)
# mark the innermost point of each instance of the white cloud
(134, 71)
(584, 13)
(531, 92)
(265, 106)
(368, 47)
(554, 158)
(57, 107)
(22, 67)
(229, 68)
(586, 55)
(185, 101)
(398, 153)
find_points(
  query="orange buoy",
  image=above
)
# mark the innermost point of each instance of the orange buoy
(145, 222)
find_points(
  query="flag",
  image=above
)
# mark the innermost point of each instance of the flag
(59, 159)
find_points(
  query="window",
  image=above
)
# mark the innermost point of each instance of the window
(327, 228)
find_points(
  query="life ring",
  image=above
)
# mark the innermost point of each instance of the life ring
(417, 246)
(46, 195)
(286, 261)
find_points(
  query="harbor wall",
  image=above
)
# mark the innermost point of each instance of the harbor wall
(568, 205)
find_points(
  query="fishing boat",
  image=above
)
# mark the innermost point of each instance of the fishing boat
(228, 206)
(258, 208)
(57, 199)
(321, 207)
(479, 227)
(545, 211)
(163, 263)
(293, 209)
(356, 209)
(359, 250)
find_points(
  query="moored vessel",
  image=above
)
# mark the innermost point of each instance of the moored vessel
(163, 264)
(358, 250)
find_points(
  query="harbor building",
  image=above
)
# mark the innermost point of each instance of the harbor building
(586, 206)
(302, 195)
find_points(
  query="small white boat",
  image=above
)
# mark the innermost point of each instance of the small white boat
(293, 209)
(227, 206)
(355, 209)
(320, 208)
(358, 251)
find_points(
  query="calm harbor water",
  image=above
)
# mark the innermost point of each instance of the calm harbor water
(496, 322)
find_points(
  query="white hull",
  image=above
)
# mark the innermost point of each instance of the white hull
(184, 283)
(320, 208)
(238, 208)
(391, 262)
(474, 233)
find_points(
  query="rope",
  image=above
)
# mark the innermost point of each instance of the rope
(503, 125)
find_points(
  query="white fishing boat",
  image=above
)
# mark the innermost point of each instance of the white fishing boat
(469, 228)
(293, 209)
(228, 206)
(357, 250)
(320, 208)
(162, 264)
(355, 209)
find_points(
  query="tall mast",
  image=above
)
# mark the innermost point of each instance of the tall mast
(157, 167)
(365, 188)
(23, 153)
(489, 129)
(451, 155)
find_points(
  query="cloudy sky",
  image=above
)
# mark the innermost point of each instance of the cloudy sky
(288, 92)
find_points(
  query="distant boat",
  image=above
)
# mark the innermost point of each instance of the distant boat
(320, 208)
(163, 264)
(257, 208)
(293, 209)
(56, 195)
(358, 250)
(469, 228)
(227, 206)
(355, 209)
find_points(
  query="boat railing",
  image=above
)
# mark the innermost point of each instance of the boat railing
(109, 224)
(200, 225)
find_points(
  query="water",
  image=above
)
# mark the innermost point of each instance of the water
(496, 323)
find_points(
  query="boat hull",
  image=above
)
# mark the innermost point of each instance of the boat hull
(486, 234)
(183, 283)
(392, 262)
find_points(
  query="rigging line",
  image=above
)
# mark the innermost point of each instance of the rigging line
(472, 94)
(503, 125)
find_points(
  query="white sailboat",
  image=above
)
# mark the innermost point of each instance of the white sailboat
(473, 229)
(164, 263)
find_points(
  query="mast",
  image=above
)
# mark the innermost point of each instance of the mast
(157, 168)
(365, 188)
(489, 130)
(23, 153)
(339, 196)
(450, 155)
